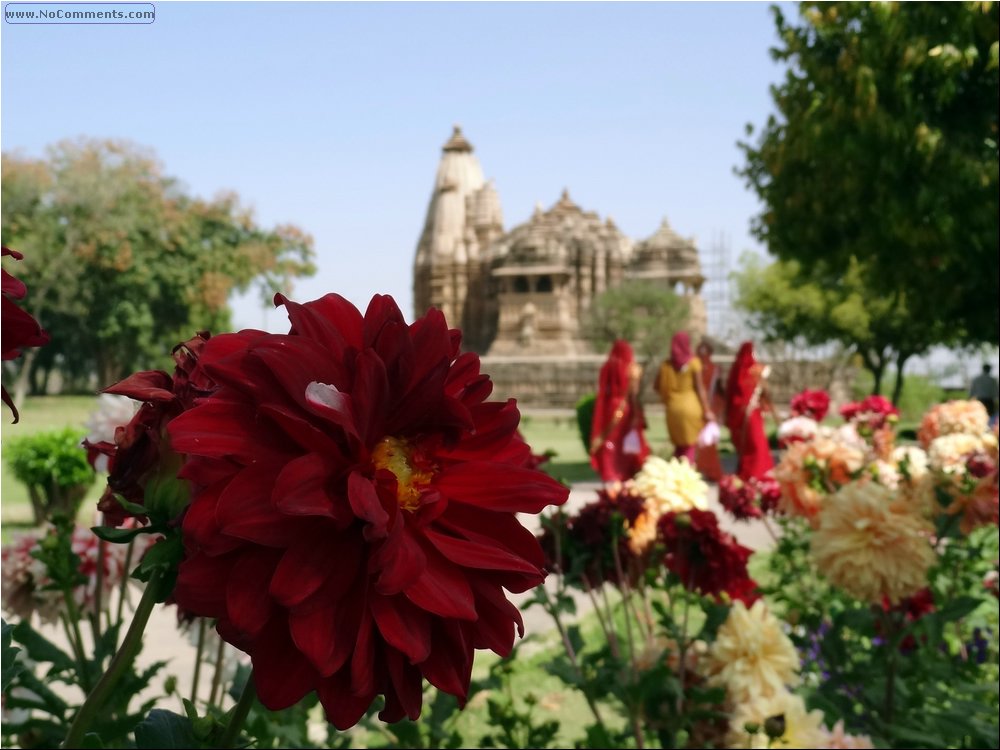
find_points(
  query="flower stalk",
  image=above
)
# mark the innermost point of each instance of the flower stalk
(119, 665)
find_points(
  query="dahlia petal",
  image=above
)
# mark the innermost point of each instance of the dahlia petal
(463, 370)
(152, 385)
(486, 527)
(343, 708)
(200, 527)
(502, 488)
(226, 360)
(245, 511)
(307, 436)
(408, 687)
(402, 625)
(442, 589)
(370, 397)
(248, 603)
(282, 675)
(449, 665)
(302, 487)
(12, 285)
(399, 561)
(329, 402)
(363, 659)
(304, 568)
(316, 636)
(201, 583)
(365, 503)
(477, 554)
(295, 361)
(498, 618)
(218, 429)
(382, 310)
(331, 320)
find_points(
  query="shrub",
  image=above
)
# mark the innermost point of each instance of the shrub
(54, 468)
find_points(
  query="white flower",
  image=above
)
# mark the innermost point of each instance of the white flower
(112, 412)
(798, 428)
(948, 452)
(671, 486)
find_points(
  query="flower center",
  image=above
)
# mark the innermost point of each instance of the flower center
(396, 455)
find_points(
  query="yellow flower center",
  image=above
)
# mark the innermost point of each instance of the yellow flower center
(395, 454)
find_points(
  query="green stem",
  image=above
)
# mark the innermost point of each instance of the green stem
(119, 664)
(235, 725)
(124, 584)
(73, 616)
(95, 616)
(74, 637)
(220, 655)
(197, 660)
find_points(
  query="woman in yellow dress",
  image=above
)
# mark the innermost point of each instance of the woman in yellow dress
(681, 389)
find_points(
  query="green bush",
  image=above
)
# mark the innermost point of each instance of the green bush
(585, 418)
(53, 466)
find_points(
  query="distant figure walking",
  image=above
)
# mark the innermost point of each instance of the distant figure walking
(746, 396)
(683, 394)
(707, 456)
(618, 445)
(986, 389)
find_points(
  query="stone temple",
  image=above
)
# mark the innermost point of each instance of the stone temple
(521, 294)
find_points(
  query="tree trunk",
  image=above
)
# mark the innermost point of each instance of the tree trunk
(897, 390)
(23, 380)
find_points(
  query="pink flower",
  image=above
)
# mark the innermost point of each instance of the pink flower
(812, 404)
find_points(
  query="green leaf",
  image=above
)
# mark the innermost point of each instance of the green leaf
(121, 536)
(11, 667)
(958, 608)
(92, 741)
(134, 508)
(165, 730)
(40, 649)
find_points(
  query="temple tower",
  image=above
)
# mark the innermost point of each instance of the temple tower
(463, 219)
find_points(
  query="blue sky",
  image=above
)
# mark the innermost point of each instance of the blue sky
(331, 115)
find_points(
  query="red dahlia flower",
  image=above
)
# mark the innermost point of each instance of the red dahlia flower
(19, 328)
(812, 404)
(142, 467)
(585, 553)
(705, 558)
(352, 524)
(871, 414)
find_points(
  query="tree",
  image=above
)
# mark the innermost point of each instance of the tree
(882, 161)
(785, 308)
(121, 263)
(643, 313)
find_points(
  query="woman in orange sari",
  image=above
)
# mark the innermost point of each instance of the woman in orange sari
(745, 398)
(707, 456)
(618, 446)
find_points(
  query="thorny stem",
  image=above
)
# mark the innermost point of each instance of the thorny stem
(119, 664)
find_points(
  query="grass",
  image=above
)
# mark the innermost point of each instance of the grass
(570, 462)
(38, 414)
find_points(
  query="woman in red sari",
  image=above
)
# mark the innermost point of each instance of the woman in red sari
(618, 446)
(745, 398)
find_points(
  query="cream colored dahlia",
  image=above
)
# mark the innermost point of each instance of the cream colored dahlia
(803, 728)
(751, 656)
(953, 417)
(948, 453)
(911, 461)
(837, 739)
(872, 543)
(673, 486)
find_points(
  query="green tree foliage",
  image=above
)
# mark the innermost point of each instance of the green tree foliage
(882, 160)
(786, 305)
(121, 263)
(643, 313)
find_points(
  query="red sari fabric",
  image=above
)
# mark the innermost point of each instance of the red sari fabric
(743, 417)
(617, 411)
